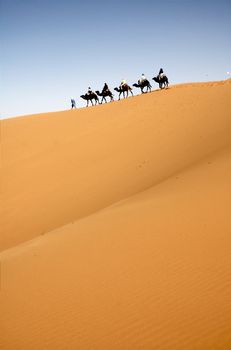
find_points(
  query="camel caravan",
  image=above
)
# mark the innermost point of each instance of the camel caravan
(97, 97)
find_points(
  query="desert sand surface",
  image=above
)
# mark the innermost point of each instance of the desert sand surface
(115, 225)
(59, 167)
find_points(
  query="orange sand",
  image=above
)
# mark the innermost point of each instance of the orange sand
(137, 195)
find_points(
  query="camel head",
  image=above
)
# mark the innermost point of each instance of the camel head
(156, 79)
(83, 96)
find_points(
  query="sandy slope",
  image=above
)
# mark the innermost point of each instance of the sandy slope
(149, 272)
(59, 167)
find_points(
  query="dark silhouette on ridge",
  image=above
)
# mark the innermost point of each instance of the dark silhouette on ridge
(162, 81)
(104, 94)
(90, 97)
(124, 89)
(142, 85)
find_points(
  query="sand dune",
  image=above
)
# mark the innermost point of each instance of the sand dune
(144, 261)
(59, 167)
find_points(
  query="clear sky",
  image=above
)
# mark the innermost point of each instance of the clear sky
(52, 50)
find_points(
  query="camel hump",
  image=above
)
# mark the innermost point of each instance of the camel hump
(126, 87)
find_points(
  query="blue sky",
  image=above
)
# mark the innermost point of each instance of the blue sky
(52, 51)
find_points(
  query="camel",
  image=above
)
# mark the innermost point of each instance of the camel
(105, 94)
(90, 97)
(163, 82)
(143, 84)
(122, 89)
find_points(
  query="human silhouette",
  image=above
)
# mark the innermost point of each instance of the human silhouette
(123, 83)
(142, 79)
(73, 104)
(161, 73)
(105, 88)
(89, 92)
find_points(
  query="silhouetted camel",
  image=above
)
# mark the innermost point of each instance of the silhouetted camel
(163, 82)
(105, 94)
(90, 97)
(143, 84)
(122, 89)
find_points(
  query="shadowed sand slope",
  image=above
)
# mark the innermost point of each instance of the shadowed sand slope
(59, 167)
(150, 272)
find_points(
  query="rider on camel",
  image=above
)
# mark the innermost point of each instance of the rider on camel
(105, 88)
(123, 83)
(142, 79)
(89, 92)
(161, 73)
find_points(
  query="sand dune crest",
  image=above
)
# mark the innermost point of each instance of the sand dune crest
(59, 167)
(139, 194)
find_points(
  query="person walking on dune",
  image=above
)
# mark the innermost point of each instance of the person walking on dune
(73, 104)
